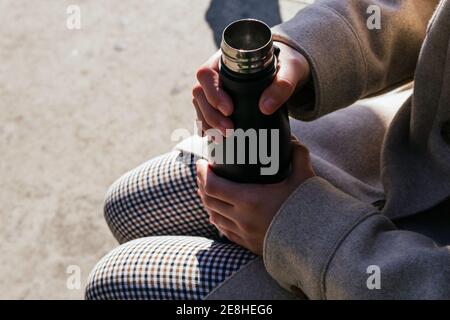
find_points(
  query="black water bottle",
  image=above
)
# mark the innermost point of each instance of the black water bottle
(259, 149)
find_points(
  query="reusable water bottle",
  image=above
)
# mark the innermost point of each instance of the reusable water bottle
(259, 151)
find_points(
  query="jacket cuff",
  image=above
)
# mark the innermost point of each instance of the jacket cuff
(307, 231)
(336, 58)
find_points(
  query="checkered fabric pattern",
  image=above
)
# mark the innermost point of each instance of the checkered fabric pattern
(158, 198)
(169, 250)
(167, 267)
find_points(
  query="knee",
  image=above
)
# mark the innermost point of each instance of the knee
(102, 284)
(116, 209)
(94, 290)
(97, 286)
(140, 204)
(129, 203)
(120, 274)
(110, 277)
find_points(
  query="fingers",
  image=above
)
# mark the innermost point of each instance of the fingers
(215, 186)
(293, 69)
(213, 204)
(203, 124)
(220, 221)
(213, 61)
(212, 103)
(232, 236)
(208, 77)
(209, 114)
(216, 96)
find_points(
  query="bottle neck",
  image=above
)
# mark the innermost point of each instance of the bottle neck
(244, 62)
(268, 69)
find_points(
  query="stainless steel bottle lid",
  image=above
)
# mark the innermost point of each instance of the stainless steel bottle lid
(247, 46)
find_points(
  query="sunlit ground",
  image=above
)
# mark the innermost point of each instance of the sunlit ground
(81, 107)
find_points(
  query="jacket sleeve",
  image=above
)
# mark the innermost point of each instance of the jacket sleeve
(349, 60)
(333, 246)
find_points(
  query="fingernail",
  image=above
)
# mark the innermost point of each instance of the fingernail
(268, 104)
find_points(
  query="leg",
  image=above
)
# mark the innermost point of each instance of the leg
(169, 267)
(158, 198)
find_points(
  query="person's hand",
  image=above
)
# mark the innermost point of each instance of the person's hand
(243, 212)
(213, 105)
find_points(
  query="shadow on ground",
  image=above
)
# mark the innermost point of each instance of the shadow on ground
(222, 12)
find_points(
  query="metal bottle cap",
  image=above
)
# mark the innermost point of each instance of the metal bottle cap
(247, 46)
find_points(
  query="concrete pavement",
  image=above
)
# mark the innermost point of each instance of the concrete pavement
(78, 108)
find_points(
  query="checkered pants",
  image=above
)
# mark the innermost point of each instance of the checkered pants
(169, 249)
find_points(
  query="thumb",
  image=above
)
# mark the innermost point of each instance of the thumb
(291, 71)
